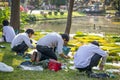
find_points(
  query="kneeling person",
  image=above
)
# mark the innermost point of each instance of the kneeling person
(46, 46)
(22, 42)
(88, 56)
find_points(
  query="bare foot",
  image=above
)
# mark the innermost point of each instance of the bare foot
(33, 56)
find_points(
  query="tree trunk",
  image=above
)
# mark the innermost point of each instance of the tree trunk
(69, 17)
(15, 15)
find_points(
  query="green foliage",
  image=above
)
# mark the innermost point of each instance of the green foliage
(61, 13)
(23, 17)
(4, 14)
(31, 18)
(114, 52)
(50, 13)
(116, 38)
(113, 58)
(116, 4)
(79, 34)
(27, 17)
(55, 13)
(58, 2)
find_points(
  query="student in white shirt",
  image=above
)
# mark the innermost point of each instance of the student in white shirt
(47, 45)
(88, 56)
(22, 42)
(8, 31)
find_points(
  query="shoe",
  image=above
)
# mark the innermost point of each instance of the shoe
(93, 75)
(89, 73)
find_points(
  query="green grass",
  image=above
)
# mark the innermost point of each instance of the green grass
(9, 57)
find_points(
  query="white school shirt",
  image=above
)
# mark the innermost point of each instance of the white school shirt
(84, 54)
(20, 38)
(52, 40)
(9, 33)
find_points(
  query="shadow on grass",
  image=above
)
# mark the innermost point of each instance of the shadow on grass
(7, 56)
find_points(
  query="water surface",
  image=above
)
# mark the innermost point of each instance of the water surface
(90, 24)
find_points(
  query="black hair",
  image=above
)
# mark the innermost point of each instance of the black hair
(30, 31)
(5, 22)
(65, 36)
(95, 43)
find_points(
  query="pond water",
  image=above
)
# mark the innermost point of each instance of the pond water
(96, 24)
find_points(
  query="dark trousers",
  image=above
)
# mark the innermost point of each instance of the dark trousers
(94, 62)
(46, 52)
(4, 38)
(21, 48)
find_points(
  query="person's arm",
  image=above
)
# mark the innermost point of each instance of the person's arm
(27, 41)
(104, 56)
(102, 63)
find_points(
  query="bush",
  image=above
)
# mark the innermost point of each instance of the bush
(113, 58)
(116, 38)
(61, 13)
(55, 13)
(113, 54)
(32, 17)
(50, 13)
(4, 14)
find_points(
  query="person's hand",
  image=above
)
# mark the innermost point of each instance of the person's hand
(67, 57)
(34, 48)
(64, 56)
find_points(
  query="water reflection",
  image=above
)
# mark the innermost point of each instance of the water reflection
(85, 24)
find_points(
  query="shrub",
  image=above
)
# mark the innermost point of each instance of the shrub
(61, 13)
(31, 18)
(50, 13)
(117, 39)
(113, 54)
(55, 13)
(113, 58)
(4, 14)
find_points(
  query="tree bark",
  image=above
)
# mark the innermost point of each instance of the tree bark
(15, 15)
(69, 17)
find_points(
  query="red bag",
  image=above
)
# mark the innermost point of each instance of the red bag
(54, 65)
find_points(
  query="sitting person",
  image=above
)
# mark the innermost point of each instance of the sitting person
(22, 42)
(8, 31)
(46, 46)
(88, 56)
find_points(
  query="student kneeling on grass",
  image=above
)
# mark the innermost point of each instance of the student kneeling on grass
(88, 56)
(22, 42)
(8, 31)
(46, 46)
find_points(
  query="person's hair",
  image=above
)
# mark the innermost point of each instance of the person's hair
(95, 43)
(5, 22)
(28, 31)
(65, 36)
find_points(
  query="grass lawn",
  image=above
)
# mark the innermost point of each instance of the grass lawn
(9, 57)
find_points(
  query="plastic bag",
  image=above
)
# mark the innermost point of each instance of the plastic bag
(32, 68)
(5, 68)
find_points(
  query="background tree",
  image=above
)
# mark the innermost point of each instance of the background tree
(116, 5)
(15, 15)
(69, 17)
